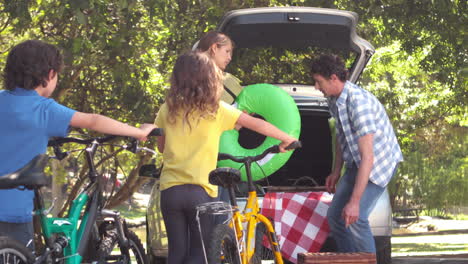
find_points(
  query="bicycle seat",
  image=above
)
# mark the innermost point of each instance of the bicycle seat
(30, 176)
(225, 177)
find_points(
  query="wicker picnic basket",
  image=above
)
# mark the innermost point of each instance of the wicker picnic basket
(336, 258)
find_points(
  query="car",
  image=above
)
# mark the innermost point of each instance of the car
(290, 36)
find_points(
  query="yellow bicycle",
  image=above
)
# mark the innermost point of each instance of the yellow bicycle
(249, 238)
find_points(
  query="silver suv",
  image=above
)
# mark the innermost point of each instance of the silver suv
(289, 36)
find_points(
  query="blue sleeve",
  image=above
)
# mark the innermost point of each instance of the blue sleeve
(58, 119)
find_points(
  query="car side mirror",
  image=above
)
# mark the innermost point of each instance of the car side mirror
(149, 170)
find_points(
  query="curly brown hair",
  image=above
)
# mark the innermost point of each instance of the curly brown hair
(328, 64)
(28, 65)
(196, 85)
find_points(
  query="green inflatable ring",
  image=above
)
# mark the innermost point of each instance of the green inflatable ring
(277, 107)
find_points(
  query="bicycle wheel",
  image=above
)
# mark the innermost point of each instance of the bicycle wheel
(263, 247)
(110, 250)
(11, 251)
(223, 247)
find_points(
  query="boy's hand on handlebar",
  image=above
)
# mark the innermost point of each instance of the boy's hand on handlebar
(146, 129)
(286, 143)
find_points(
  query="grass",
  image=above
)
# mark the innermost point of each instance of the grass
(131, 212)
(430, 245)
(438, 214)
(431, 248)
(459, 217)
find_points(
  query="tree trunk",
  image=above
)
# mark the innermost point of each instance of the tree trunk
(132, 184)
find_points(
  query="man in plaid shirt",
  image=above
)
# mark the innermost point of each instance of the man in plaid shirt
(366, 144)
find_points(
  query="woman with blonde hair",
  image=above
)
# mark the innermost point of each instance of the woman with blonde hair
(193, 118)
(219, 46)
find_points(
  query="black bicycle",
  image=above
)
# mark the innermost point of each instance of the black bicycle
(89, 233)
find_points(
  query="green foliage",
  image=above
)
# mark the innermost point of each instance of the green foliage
(435, 173)
(108, 66)
(459, 217)
(435, 28)
(109, 57)
(421, 110)
(119, 55)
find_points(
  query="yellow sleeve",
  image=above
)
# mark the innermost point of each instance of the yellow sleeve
(229, 115)
(161, 116)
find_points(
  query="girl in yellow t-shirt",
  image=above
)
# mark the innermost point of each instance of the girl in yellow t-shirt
(193, 118)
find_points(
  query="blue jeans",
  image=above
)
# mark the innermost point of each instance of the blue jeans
(22, 232)
(358, 236)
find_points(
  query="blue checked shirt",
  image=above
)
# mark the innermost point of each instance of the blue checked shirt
(357, 113)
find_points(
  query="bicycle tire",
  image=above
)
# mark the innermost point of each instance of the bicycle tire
(110, 241)
(223, 247)
(262, 252)
(12, 251)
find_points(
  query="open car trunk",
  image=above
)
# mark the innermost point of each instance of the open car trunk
(299, 27)
(308, 167)
(311, 164)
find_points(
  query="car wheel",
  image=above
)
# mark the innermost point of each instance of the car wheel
(152, 258)
(383, 245)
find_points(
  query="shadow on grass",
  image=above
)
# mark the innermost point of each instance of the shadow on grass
(421, 247)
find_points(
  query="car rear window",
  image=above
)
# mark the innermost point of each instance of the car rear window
(277, 65)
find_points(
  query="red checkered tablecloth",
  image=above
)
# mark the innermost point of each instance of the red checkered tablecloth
(299, 219)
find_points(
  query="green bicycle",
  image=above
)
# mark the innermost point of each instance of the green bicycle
(89, 233)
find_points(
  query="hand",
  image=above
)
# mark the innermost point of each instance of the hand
(146, 129)
(286, 143)
(331, 181)
(350, 213)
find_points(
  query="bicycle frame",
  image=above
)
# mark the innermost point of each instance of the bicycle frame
(66, 238)
(249, 218)
(68, 226)
(75, 229)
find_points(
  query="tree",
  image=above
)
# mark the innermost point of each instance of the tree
(119, 55)
(109, 56)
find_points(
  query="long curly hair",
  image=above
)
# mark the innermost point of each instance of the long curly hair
(196, 85)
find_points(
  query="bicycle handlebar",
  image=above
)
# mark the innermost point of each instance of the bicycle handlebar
(157, 132)
(133, 146)
(272, 149)
(60, 141)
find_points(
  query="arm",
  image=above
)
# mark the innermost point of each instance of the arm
(265, 128)
(332, 179)
(351, 210)
(108, 125)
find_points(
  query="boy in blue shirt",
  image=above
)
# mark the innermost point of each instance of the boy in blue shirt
(29, 118)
